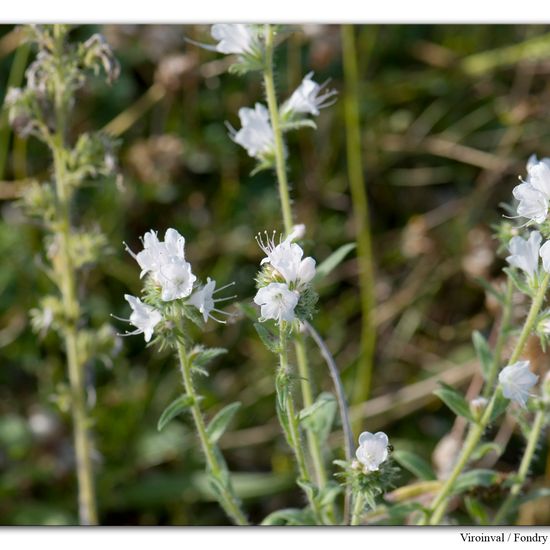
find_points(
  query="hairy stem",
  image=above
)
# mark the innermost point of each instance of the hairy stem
(65, 270)
(534, 435)
(501, 338)
(358, 509)
(284, 194)
(289, 420)
(226, 496)
(439, 505)
(361, 219)
(271, 97)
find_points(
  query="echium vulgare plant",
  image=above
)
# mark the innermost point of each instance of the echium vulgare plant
(286, 294)
(172, 299)
(42, 109)
(509, 383)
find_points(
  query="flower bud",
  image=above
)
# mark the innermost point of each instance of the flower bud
(478, 406)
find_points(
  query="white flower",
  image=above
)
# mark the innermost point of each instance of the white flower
(373, 450)
(144, 317)
(307, 98)
(175, 279)
(545, 255)
(234, 38)
(256, 134)
(286, 258)
(516, 381)
(165, 261)
(277, 302)
(534, 193)
(203, 299)
(525, 253)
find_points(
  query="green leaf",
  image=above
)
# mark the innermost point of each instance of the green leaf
(490, 289)
(289, 516)
(202, 356)
(518, 281)
(534, 495)
(328, 493)
(335, 259)
(219, 423)
(476, 510)
(484, 353)
(415, 464)
(319, 417)
(475, 478)
(176, 407)
(270, 341)
(486, 448)
(454, 401)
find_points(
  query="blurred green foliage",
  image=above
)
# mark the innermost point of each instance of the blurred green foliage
(450, 115)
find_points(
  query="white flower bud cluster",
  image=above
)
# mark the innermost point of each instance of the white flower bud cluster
(290, 276)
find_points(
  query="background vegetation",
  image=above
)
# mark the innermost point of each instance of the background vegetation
(449, 116)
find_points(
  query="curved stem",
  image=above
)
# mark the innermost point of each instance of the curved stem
(439, 504)
(227, 498)
(536, 430)
(271, 97)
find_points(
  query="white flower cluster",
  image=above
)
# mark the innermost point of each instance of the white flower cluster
(256, 133)
(234, 38)
(525, 253)
(278, 300)
(164, 261)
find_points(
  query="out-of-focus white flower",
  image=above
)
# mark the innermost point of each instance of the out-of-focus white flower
(203, 299)
(516, 380)
(286, 258)
(372, 450)
(308, 99)
(524, 254)
(256, 134)
(165, 261)
(144, 317)
(234, 38)
(545, 255)
(534, 193)
(276, 302)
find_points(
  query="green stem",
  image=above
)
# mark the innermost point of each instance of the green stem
(361, 219)
(439, 504)
(501, 338)
(536, 430)
(358, 509)
(289, 421)
(227, 498)
(271, 97)
(284, 195)
(66, 272)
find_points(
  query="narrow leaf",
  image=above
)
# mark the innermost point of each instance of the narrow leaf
(203, 356)
(289, 516)
(270, 341)
(476, 510)
(484, 353)
(219, 423)
(455, 401)
(319, 417)
(176, 407)
(475, 478)
(415, 464)
(333, 261)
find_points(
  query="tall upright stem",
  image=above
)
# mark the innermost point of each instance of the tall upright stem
(361, 218)
(67, 280)
(439, 505)
(271, 96)
(291, 426)
(227, 498)
(284, 195)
